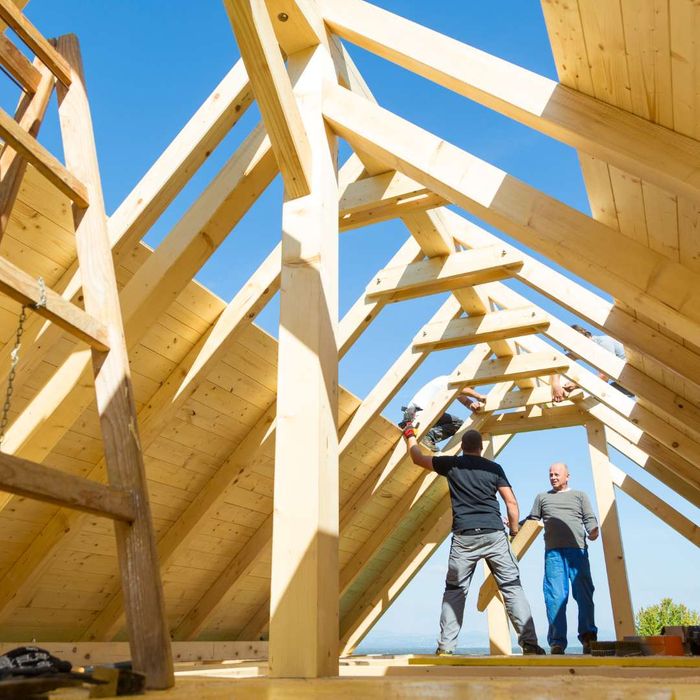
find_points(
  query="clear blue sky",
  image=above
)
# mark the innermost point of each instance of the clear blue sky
(149, 66)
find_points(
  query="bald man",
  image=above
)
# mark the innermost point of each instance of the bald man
(568, 518)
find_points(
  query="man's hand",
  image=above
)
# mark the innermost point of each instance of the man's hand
(512, 535)
(570, 386)
(593, 535)
(476, 406)
(409, 431)
(558, 393)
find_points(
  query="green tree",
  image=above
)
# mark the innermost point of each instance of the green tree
(651, 620)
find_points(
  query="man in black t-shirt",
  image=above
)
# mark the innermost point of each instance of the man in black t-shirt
(477, 533)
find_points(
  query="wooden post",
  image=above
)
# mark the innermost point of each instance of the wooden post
(620, 597)
(304, 587)
(499, 627)
(138, 561)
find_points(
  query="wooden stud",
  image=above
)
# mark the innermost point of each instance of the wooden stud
(644, 279)
(653, 153)
(442, 274)
(532, 364)
(29, 34)
(30, 480)
(18, 65)
(273, 91)
(497, 325)
(499, 625)
(304, 586)
(148, 632)
(623, 611)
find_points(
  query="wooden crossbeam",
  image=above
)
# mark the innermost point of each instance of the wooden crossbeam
(19, 286)
(635, 145)
(29, 115)
(526, 536)
(273, 91)
(54, 171)
(441, 274)
(18, 65)
(533, 364)
(497, 325)
(384, 197)
(658, 287)
(31, 36)
(535, 418)
(656, 505)
(541, 395)
(31, 480)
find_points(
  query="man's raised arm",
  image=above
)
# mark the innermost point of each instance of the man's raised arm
(415, 452)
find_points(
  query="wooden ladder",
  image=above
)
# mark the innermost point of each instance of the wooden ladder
(125, 498)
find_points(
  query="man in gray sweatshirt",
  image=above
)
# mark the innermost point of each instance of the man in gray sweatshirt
(568, 517)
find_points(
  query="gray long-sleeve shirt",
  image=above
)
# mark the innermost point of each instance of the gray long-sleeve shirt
(565, 514)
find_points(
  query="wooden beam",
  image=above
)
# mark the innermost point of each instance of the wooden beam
(18, 65)
(297, 24)
(526, 536)
(304, 580)
(146, 622)
(499, 625)
(30, 480)
(28, 147)
(587, 305)
(656, 505)
(29, 115)
(273, 91)
(541, 395)
(31, 36)
(635, 145)
(618, 583)
(664, 290)
(532, 364)
(535, 418)
(18, 285)
(497, 325)
(442, 274)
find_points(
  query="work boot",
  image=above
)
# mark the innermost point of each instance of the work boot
(533, 650)
(427, 442)
(556, 649)
(586, 640)
(443, 652)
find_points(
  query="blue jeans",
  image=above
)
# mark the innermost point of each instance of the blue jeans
(560, 567)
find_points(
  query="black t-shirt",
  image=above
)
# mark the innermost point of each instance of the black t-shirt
(474, 482)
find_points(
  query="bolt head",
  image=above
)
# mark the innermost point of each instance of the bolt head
(282, 16)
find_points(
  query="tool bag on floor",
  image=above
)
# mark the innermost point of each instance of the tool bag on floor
(31, 661)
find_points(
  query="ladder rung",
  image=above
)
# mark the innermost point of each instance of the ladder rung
(35, 40)
(32, 480)
(48, 165)
(26, 290)
(18, 65)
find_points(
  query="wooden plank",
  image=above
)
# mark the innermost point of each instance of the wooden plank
(499, 625)
(645, 279)
(497, 325)
(24, 289)
(28, 147)
(656, 505)
(18, 65)
(31, 36)
(273, 91)
(541, 395)
(304, 583)
(535, 418)
(29, 115)
(527, 534)
(532, 364)
(30, 480)
(148, 633)
(633, 144)
(442, 274)
(623, 611)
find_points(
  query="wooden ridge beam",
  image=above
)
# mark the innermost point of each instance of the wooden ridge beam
(273, 91)
(651, 152)
(656, 505)
(29, 115)
(30, 480)
(30, 35)
(587, 305)
(528, 365)
(441, 274)
(535, 418)
(47, 164)
(496, 325)
(18, 65)
(663, 290)
(18, 285)
(526, 536)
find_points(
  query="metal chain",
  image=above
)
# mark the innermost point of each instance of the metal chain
(14, 355)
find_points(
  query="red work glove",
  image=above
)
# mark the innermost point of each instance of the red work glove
(409, 431)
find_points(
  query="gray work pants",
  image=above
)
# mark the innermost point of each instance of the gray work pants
(465, 553)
